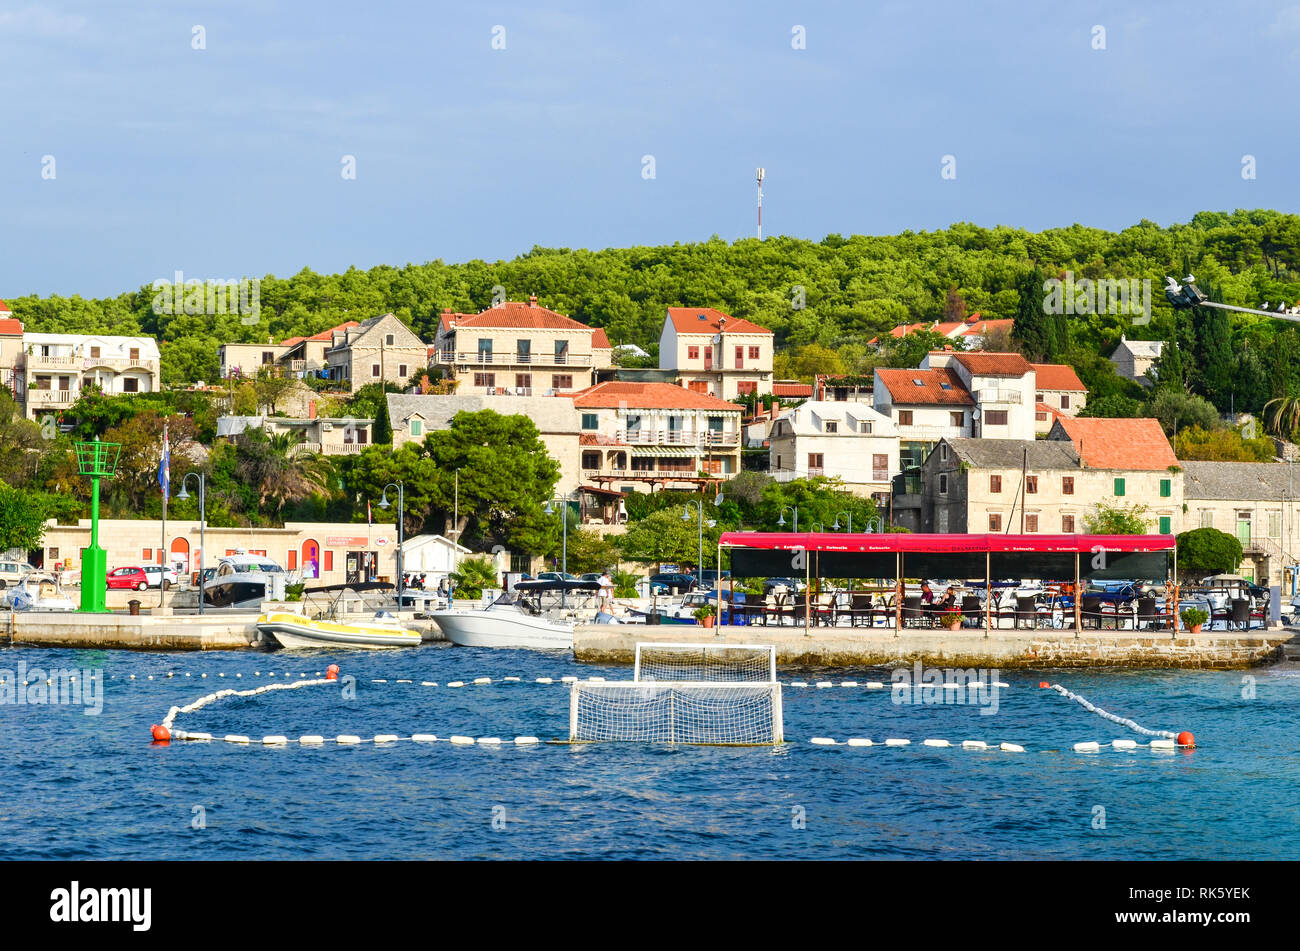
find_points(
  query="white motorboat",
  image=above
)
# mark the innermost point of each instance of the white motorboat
(526, 617)
(40, 591)
(244, 581)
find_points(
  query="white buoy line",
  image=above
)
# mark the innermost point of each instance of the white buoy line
(166, 730)
(1092, 708)
(897, 742)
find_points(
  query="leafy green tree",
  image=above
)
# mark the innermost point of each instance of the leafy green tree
(1106, 519)
(278, 468)
(1208, 551)
(820, 501)
(22, 518)
(472, 575)
(1113, 407)
(1178, 411)
(1221, 445)
(590, 551)
(664, 536)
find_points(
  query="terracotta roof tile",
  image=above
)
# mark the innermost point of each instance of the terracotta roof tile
(981, 327)
(938, 387)
(1057, 376)
(792, 390)
(982, 363)
(4, 308)
(600, 339)
(901, 329)
(1117, 443)
(10, 325)
(615, 393)
(514, 314)
(686, 320)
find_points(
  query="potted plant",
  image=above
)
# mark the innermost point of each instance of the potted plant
(704, 615)
(1193, 618)
(950, 619)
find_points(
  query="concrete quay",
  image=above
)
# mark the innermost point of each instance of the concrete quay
(968, 647)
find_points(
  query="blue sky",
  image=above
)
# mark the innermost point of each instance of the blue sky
(226, 161)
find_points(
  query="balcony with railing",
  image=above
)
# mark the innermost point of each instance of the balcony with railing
(512, 358)
(677, 437)
(995, 395)
(37, 397)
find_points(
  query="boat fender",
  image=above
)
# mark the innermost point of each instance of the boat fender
(463, 740)
(974, 745)
(347, 739)
(1090, 746)
(1123, 744)
(939, 743)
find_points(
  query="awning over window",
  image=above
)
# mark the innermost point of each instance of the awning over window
(665, 451)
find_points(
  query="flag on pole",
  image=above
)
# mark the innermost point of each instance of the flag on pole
(368, 512)
(164, 467)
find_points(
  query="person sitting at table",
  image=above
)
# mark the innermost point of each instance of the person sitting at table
(927, 595)
(949, 600)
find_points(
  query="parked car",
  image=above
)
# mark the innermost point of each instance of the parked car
(663, 583)
(589, 576)
(556, 576)
(709, 577)
(776, 584)
(13, 572)
(158, 574)
(128, 578)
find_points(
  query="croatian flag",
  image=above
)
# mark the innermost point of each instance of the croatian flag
(164, 478)
(368, 512)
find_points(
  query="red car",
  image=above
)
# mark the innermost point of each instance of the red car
(128, 578)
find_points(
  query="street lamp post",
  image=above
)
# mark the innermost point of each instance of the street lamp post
(781, 517)
(203, 522)
(401, 537)
(876, 524)
(686, 517)
(847, 514)
(564, 540)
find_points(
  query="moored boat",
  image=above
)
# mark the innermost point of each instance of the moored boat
(527, 617)
(298, 632)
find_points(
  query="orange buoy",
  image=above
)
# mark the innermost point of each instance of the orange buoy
(160, 732)
(332, 672)
(1043, 685)
(1186, 739)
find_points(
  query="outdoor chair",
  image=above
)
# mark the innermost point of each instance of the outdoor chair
(972, 613)
(860, 606)
(1026, 611)
(1090, 611)
(913, 613)
(1146, 616)
(1240, 613)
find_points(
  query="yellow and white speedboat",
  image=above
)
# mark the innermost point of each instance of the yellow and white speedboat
(298, 632)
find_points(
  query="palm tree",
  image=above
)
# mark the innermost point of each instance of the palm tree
(1282, 416)
(279, 468)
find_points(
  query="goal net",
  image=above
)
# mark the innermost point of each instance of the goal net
(709, 714)
(748, 663)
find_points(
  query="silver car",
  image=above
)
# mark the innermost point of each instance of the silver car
(157, 574)
(13, 572)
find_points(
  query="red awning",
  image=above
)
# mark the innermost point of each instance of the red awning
(956, 543)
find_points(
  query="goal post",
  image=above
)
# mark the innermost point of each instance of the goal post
(731, 713)
(710, 663)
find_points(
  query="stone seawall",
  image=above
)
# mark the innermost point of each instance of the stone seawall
(1004, 649)
(123, 632)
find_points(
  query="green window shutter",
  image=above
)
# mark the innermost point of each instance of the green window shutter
(1164, 524)
(1119, 486)
(1165, 488)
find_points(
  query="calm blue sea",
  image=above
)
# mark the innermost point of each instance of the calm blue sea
(94, 787)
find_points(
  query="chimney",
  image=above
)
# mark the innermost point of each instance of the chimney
(532, 300)
(311, 410)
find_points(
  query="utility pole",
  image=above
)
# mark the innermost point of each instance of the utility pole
(1024, 473)
(760, 174)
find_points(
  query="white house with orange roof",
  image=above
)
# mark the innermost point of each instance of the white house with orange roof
(643, 436)
(11, 347)
(1058, 393)
(519, 349)
(716, 354)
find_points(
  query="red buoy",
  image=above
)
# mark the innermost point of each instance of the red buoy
(1186, 739)
(1043, 685)
(162, 733)
(332, 672)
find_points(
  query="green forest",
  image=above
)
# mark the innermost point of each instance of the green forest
(824, 300)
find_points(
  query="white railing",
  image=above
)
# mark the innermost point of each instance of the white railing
(52, 397)
(514, 358)
(676, 437)
(992, 395)
(632, 474)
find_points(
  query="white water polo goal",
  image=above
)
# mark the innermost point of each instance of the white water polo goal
(700, 694)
